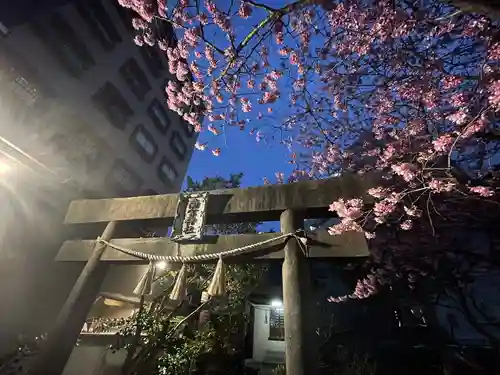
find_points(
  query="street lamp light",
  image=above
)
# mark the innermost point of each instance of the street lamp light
(161, 265)
(276, 303)
(4, 167)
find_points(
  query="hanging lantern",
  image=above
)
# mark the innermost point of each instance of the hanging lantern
(179, 290)
(146, 281)
(217, 287)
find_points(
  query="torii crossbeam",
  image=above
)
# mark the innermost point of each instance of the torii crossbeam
(290, 203)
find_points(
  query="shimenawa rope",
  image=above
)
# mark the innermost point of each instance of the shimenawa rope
(302, 241)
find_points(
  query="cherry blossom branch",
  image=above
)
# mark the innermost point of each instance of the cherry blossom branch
(463, 130)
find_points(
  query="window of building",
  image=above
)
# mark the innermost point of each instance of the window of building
(136, 80)
(153, 60)
(178, 145)
(143, 142)
(99, 22)
(277, 324)
(122, 178)
(157, 113)
(67, 46)
(167, 172)
(25, 91)
(112, 104)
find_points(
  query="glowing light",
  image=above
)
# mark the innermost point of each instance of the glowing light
(276, 303)
(113, 302)
(4, 167)
(161, 265)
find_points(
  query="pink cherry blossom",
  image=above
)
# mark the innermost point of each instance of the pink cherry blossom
(245, 10)
(213, 130)
(346, 225)
(450, 82)
(413, 211)
(443, 143)
(494, 97)
(459, 117)
(402, 97)
(338, 299)
(406, 170)
(483, 191)
(406, 225)
(269, 97)
(439, 186)
(145, 8)
(384, 208)
(370, 235)
(365, 287)
(475, 127)
(431, 99)
(200, 146)
(377, 192)
(458, 99)
(139, 40)
(139, 23)
(246, 105)
(494, 52)
(280, 177)
(415, 127)
(162, 44)
(191, 36)
(352, 208)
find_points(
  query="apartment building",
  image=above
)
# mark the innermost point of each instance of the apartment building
(116, 135)
(82, 114)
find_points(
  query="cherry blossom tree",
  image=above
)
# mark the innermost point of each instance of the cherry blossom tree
(405, 91)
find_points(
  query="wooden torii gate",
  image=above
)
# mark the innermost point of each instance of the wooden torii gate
(290, 203)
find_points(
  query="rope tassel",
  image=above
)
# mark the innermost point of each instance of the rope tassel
(179, 291)
(217, 287)
(146, 281)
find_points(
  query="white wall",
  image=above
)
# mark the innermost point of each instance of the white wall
(261, 342)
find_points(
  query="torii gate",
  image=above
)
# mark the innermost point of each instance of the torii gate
(290, 203)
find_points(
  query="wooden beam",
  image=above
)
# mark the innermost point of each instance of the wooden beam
(263, 203)
(321, 245)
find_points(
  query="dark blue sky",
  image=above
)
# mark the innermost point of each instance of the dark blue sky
(242, 154)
